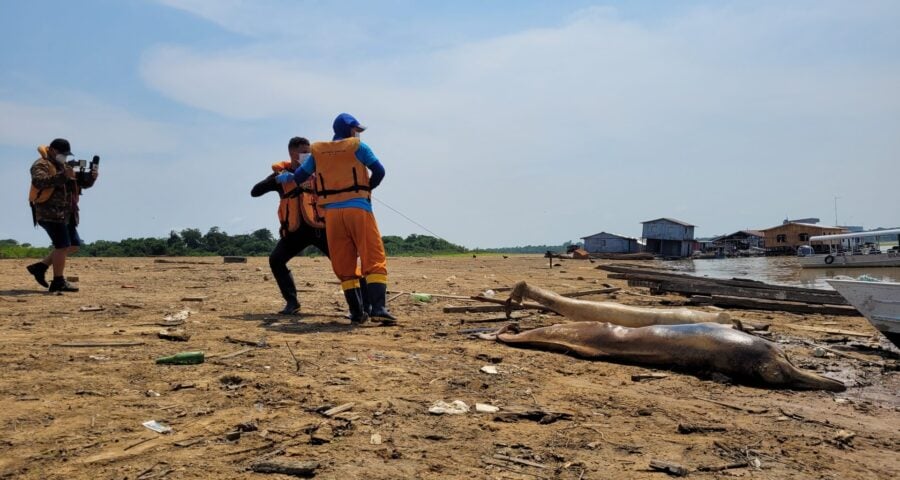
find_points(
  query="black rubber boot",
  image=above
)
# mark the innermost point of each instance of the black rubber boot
(354, 301)
(377, 293)
(285, 281)
(39, 270)
(292, 307)
(59, 284)
(365, 295)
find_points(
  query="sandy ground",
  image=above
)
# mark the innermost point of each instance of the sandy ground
(77, 412)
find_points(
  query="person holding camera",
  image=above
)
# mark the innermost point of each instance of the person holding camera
(55, 188)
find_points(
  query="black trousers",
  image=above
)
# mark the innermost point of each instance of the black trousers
(288, 247)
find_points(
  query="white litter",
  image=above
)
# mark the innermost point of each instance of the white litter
(457, 407)
(180, 316)
(490, 370)
(157, 427)
(485, 408)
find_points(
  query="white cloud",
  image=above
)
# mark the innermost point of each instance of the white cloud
(548, 134)
(88, 123)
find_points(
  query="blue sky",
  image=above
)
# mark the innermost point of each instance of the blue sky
(499, 123)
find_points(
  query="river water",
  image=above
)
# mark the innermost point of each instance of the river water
(778, 270)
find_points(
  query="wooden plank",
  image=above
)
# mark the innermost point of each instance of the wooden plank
(97, 344)
(735, 282)
(293, 468)
(596, 291)
(831, 331)
(757, 304)
(703, 288)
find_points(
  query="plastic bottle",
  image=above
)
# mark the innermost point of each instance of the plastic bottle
(183, 358)
(420, 297)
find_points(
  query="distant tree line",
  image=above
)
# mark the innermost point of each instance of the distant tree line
(533, 248)
(192, 242)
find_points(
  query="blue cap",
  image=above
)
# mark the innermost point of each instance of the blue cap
(342, 125)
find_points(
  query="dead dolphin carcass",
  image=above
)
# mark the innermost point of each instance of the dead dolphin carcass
(705, 347)
(625, 315)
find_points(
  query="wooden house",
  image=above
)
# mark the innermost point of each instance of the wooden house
(668, 237)
(604, 242)
(785, 238)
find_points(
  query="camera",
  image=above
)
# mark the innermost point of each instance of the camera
(83, 175)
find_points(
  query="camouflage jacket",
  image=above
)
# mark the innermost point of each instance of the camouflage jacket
(62, 206)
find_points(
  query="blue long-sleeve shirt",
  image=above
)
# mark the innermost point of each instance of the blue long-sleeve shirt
(367, 158)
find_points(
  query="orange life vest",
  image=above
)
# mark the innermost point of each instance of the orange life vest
(340, 175)
(297, 204)
(41, 195)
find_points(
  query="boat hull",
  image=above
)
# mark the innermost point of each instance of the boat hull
(850, 261)
(879, 302)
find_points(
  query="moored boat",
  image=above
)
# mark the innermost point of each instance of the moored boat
(850, 250)
(879, 302)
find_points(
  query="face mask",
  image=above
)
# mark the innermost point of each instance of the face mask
(303, 156)
(60, 158)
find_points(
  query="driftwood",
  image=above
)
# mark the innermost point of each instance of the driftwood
(297, 469)
(500, 307)
(97, 344)
(831, 331)
(669, 467)
(770, 305)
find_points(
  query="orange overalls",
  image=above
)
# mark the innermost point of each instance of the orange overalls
(352, 232)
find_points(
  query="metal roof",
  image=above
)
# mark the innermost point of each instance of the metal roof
(870, 233)
(612, 234)
(672, 220)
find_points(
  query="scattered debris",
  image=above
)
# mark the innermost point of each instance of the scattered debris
(686, 428)
(755, 410)
(193, 299)
(490, 370)
(639, 377)
(175, 335)
(538, 414)
(97, 344)
(182, 358)
(284, 467)
(92, 308)
(457, 407)
(485, 408)
(250, 343)
(668, 467)
(375, 439)
(177, 317)
(336, 410)
(157, 427)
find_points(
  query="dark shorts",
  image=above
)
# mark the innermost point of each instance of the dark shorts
(63, 235)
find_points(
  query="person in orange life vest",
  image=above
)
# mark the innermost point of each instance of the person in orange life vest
(301, 221)
(344, 187)
(55, 189)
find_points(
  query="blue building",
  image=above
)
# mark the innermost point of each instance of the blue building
(668, 237)
(604, 242)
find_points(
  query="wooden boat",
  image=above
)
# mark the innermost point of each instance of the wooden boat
(879, 302)
(844, 250)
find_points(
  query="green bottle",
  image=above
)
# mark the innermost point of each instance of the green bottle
(183, 358)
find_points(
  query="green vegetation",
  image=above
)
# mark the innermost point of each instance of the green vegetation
(10, 248)
(532, 248)
(192, 242)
